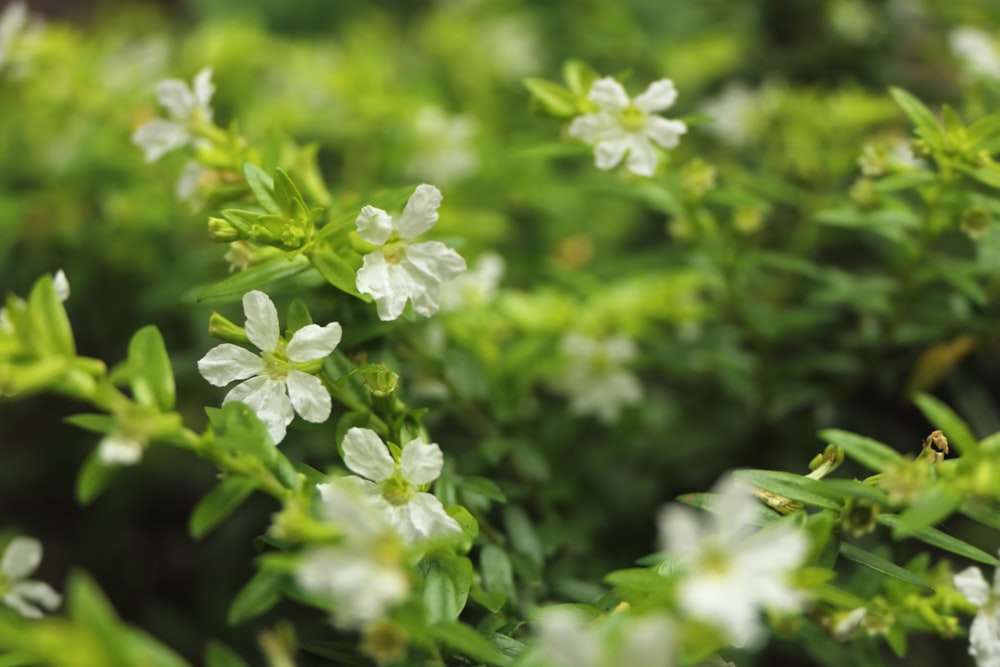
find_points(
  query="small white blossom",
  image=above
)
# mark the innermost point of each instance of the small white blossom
(28, 597)
(394, 487)
(119, 448)
(730, 577)
(363, 575)
(595, 378)
(401, 270)
(185, 106)
(445, 150)
(984, 634)
(625, 126)
(565, 639)
(273, 384)
(475, 287)
(976, 50)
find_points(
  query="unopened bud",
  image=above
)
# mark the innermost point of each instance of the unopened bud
(381, 383)
(221, 328)
(223, 231)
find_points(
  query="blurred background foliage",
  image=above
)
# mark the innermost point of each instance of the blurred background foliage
(740, 368)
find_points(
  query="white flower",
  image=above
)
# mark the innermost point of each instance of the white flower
(445, 150)
(627, 126)
(475, 287)
(119, 448)
(185, 106)
(275, 369)
(975, 48)
(729, 577)
(394, 487)
(566, 640)
(984, 634)
(363, 575)
(401, 270)
(29, 598)
(595, 378)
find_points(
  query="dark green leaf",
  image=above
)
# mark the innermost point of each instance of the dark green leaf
(936, 538)
(881, 565)
(219, 503)
(298, 315)
(497, 572)
(522, 535)
(93, 478)
(959, 434)
(868, 452)
(484, 487)
(792, 486)
(447, 579)
(467, 641)
(262, 592)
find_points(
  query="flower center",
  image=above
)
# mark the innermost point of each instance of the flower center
(396, 491)
(714, 560)
(632, 118)
(394, 249)
(276, 364)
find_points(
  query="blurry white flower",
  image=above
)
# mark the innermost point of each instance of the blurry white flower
(475, 287)
(730, 576)
(119, 448)
(186, 189)
(732, 111)
(185, 106)
(29, 598)
(275, 370)
(394, 487)
(624, 126)
(401, 270)
(984, 634)
(975, 48)
(565, 639)
(363, 575)
(513, 45)
(595, 378)
(13, 22)
(445, 150)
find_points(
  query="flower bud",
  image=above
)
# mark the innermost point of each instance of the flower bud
(223, 231)
(221, 328)
(381, 383)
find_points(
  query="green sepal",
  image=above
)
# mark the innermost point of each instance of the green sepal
(219, 503)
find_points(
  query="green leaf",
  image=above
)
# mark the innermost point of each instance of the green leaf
(463, 517)
(790, 485)
(287, 195)
(219, 503)
(640, 579)
(298, 315)
(490, 600)
(522, 535)
(925, 122)
(447, 580)
(881, 565)
(51, 332)
(343, 654)
(579, 77)
(959, 434)
(986, 175)
(262, 186)
(904, 181)
(260, 275)
(93, 478)
(935, 504)
(762, 516)
(91, 422)
(987, 514)
(238, 429)
(941, 540)
(467, 641)
(497, 572)
(262, 592)
(552, 98)
(868, 452)
(982, 131)
(220, 655)
(335, 269)
(150, 374)
(484, 487)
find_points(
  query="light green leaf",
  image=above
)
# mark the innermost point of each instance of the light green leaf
(497, 572)
(926, 124)
(982, 131)
(238, 429)
(904, 181)
(220, 655)
(959, 434)
(92, 422)
(552, 98)
(219, 503)
(262, 186)
(935, 504)
(447, 579)
(51, 332)
(287, 195)
(335, 269)
(868, 452)
(484, 487)
(881, 565)
(790, 485)
(467, 641)
(987, 514)
(150, 374)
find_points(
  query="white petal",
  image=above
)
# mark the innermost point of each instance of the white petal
(716, 599)
(347, 503)
(116, 449)
(386, 283)
(984, 639)
(269, 401)
(20, 605)
(619, 348)
(227, 362)
(647, 642)
(175, 95)
(309, 397)
(262, 320)
(374, 225)
(39, 593)
(595, 127)
(428, 517)
(420, 213)
(426, 266)
(21, 558)
(608, 153)
(665, 132)
(971, 583)
(641, 157)
(203, 91)
(658, 96)
(314, 342)
(421, 462)
(733, 510)
(61, 283)
(367, 455)
(563, 639)
(158, 137)
(680, 529)
(608, 94)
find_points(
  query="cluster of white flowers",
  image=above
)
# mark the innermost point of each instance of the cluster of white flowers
(595, 378)
(363, 575)
(401, 270)
(565, 639)
(185, 106)
(625, 127)
(984, 633)
(28, 597)
(395, 487)
(730, 573)
(273, 384)
(976, 50)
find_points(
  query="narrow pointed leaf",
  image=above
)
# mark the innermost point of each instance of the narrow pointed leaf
(959, 434)
(866, 451)
(881, 565)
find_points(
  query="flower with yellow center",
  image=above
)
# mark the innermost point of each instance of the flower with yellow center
(396, 487)
(624, 126)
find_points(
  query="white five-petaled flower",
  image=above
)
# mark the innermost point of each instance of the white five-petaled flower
(363, 575)
(28, 597)
(730, 573)
(625, 126)
(399, 269)
(984, 634)
(565, 639)
(185, 106)
(268, 375)
(394, 487)
(595, 377)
